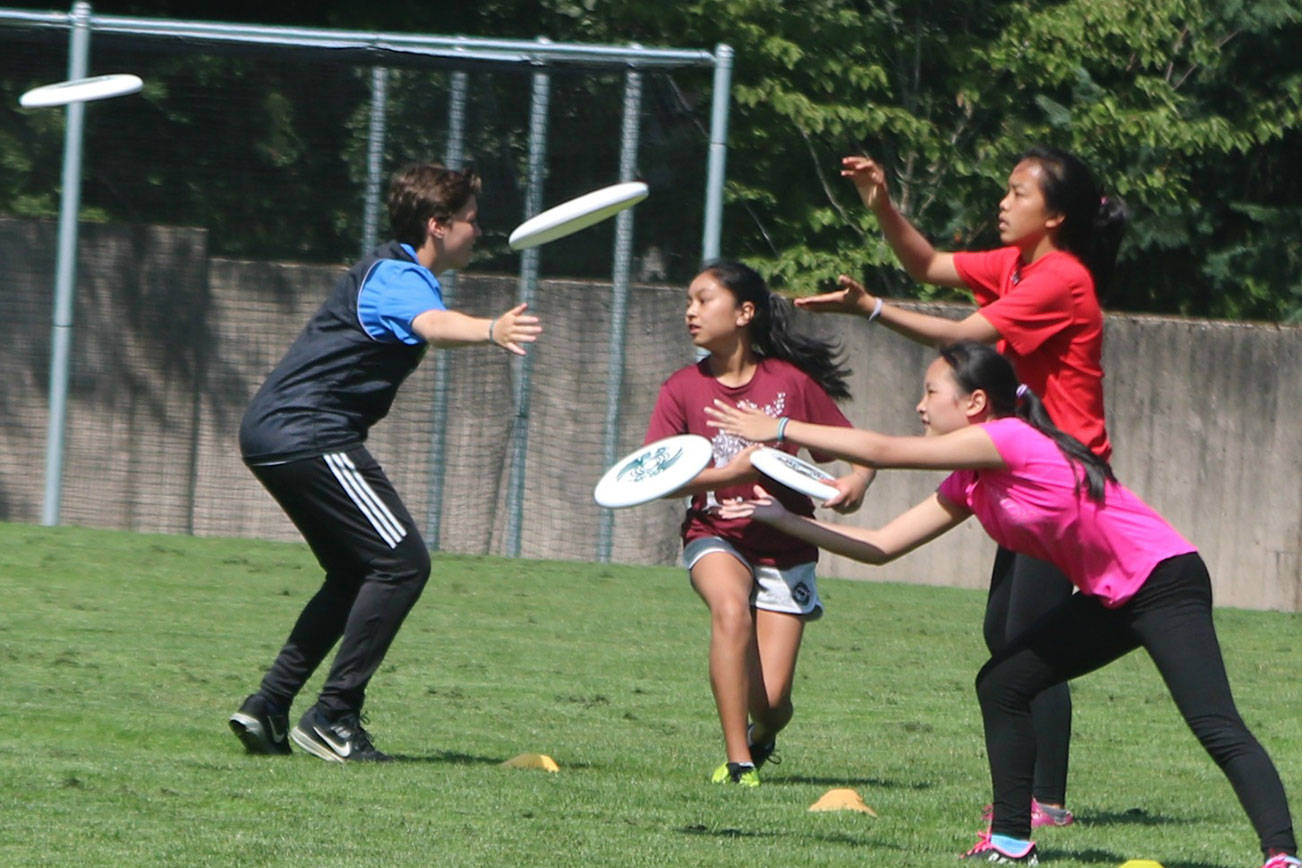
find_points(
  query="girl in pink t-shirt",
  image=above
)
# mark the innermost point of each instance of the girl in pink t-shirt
(1042, 493)
(759, 585)
(1037, 299)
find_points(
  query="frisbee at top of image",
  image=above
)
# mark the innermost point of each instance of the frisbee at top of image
(81, 90)
(652, 471)
(793, 472)
(577, 213)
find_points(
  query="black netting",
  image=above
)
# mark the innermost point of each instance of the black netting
(219, 205)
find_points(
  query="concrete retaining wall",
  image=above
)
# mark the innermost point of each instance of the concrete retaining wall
(170, 345)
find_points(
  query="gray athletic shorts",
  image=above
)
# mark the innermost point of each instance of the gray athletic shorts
(793, 590)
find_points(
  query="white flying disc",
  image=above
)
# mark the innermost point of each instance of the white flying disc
(653, 470)
(793, 472)
(578, 213)
(81, 90)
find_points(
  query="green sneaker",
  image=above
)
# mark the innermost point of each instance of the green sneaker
(736, 773)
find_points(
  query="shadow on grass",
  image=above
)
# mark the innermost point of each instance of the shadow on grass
(706, 831)
(451, 757)
(448, 757)
(877, 783)
(866, 841)
(1131, 817)
(1109, 858)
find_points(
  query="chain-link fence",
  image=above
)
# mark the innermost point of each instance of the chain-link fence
(218, 205)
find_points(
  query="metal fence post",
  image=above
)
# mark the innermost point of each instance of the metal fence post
(454, 155)
(629, 135)
(523, 367)
(375, 158)
(718, 153)
(65, 269)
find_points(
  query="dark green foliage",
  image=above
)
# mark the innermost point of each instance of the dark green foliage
(1190, 110)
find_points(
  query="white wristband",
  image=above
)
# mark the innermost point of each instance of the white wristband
(492, 324)
(877, 311)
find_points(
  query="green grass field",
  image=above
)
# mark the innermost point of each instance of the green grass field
(121, 656)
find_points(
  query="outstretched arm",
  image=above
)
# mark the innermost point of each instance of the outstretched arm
(967, 448)
(451, 328)
(912, 528)
(921, 327)
(920, 259)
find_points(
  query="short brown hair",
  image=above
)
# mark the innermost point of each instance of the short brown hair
(426, 190)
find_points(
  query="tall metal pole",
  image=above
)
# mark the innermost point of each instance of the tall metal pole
(616, 350)
(718, 153)
(528, 285)
(454, 155)
(375, 157)
(65, 277)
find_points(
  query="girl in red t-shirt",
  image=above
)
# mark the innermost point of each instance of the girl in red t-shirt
(759, 585)
(1037, 302)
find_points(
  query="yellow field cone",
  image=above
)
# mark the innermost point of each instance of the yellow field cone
(1140, 863)
(842, 800)
(532, 761)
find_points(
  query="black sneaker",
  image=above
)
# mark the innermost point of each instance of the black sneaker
(342, 740)
(261, 726)
(763, 753)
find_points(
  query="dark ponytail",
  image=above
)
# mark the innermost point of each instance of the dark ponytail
(771, 329)
(1092, 223)
(980, 366)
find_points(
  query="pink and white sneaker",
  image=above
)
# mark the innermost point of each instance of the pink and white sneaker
(1041, 815)
(1001, 851)
(1282, 860)
(1045, 815)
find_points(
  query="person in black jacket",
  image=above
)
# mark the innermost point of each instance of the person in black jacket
(303, 436)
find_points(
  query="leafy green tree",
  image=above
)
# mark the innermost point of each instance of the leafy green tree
(1190, 110)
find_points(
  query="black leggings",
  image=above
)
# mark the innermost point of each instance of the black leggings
(1171, 618)
(1022, 591)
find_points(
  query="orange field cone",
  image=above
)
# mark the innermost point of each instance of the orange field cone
(532, 761)
(842, 799)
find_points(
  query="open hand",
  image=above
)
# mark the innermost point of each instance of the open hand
(515, 328)
(764, 507)
(850, 298)
(869, 180)
(746, 423)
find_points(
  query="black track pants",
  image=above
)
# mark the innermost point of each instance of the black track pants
(375, 563)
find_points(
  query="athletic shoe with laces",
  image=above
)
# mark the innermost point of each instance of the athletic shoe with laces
(1041, 815)
(342, 740)
(986, 850)
(762, 753)
(1282, 860)
(261, 726)
(742, 774)
(1046, 815)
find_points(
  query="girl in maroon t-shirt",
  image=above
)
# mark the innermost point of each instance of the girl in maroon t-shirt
(758, 584)
(1037, 302)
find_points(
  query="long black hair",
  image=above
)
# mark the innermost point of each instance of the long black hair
(1093, 223)
(980, 366)
(771, 329)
